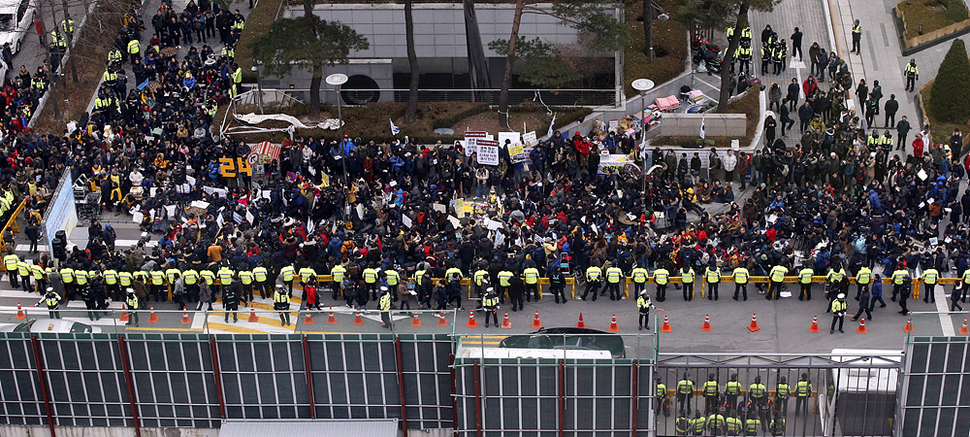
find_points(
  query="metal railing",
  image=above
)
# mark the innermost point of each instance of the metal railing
(549, 97)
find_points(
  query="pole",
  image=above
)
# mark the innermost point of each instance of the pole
(648, 26)
(343, 155)
(123, 349)
(643, 153)
(42, 380)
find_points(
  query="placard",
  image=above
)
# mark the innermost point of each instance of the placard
(471, 144)
(487, 152)
(460, 207)
(406, 220)
(513, 137)
(530, 138)
(517, 154)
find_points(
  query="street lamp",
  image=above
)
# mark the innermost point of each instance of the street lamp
(259, 88)
(643, 85)
(336, 80)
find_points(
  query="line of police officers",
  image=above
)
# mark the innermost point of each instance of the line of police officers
(724, 415)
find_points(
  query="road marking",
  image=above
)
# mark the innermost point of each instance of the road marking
(885, 37)
(946, 322)
(872, 51)
(829, 24)
(139, 328)
(233, 329)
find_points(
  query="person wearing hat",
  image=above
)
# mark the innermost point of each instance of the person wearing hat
(557, 283)
(281, 303)
(385, 304)
(643, 305)
(912, 74)
(230, 299)
(715, 422)
(131, 305)
(52, 300)
(490, 304)
(838, 312)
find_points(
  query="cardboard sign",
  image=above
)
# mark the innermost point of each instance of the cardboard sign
(228, 167)
(471, 143)
(517, 154)
(513, 137)
(460, 207)
(530, 139)
(487, 152)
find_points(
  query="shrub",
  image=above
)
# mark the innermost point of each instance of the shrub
(951, 91)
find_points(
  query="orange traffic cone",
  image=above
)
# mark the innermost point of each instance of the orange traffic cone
(416, 322)
(506, 323)
(862, 327)
(814, 327)
(964, 330)
(666, 327)
(581, 324)
(909, 326)
(331, 320)
(471, 320)
(357, 320)
(707, 324)
(308, 320)
(754, 323)
(442, 321)
(253, 318)
(536, 324)
(20, 312)
(124, 314)
(152, 318)
(185, 317)
(613, 326)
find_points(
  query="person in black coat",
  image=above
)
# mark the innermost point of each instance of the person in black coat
(863, 305)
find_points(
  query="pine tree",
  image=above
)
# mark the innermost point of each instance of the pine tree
(951, 90)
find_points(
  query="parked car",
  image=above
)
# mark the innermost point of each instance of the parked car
(50, 325)
(16, 20)
(567, 338)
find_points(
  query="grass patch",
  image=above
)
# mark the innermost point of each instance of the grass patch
(90, 56)
(938, 128)
(932, 14)
(669, 43)
(370, 122)
(257, 23)
(748, 104)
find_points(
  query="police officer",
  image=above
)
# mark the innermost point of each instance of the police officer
(777, 425)
(752, 424)
(743, 55)
(713, 276)
(88, 296)
(593, 278)
(230, 297)
(51, 299)
(687, 277)
(131, 305)
(190, 279)
(287, 273)
(504, 281)
(805, 279)
(898, 277)
(643, 305)
(856, 37)
(685, 393)
(614, 275)
(715, 422)
(337, 273)
(134, 50)
(246, 279)
(732, 425)
(838, 313)
(757, 391)
(834, 278)
(453, 276)
(261, 280)
(803, 391)
(862, 279)
(777, 277)
(864, 305)
(930, 277)
(740, 281)
(661, 276)
(904, 293)
(698, 424)
(480, 279)
(782, 393)
(370, 276)
(307, 272)
(663, 402)
(490, 303)
(530, 275)
(67, 279)
(393, 279)
(682, 424)
(385, 304)
(731, 391)
(711, 391)
(639, 276)
(159, 291)
(557, 283)
(281, 303)
(10, 261)
(912, 75)
(40, 278)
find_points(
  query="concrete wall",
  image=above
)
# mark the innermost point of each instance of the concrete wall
(377, 69)
(715, 125)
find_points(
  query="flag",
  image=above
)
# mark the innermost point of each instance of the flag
(703, 133)
(394, 129)
(551, 124)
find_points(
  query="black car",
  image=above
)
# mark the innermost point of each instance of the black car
(567, 338)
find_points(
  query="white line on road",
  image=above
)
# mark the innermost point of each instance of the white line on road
(946, 322)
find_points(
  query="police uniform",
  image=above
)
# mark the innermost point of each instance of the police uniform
(782, 393)
(261, 281)
(503, 281)
(287, 273)
(687, 277)
(370, 276)
(23, 270)
(803, 391)
(531, 278)
(281, 303)
(131, 304)
(246, 279)
(898, 277)
(777, 279)
(643, 306)
(661, 276)
(838, 312)
(490, 303)
(613, 277)
(159, 291)
(862, 279)
(741, 282)
(685, 392)
(337, 273)
(713, 276)
(731, 391)
(52, 300)
(930, 277)
(593, 278)
(557, 284)
(393, 279)
(10, 261)
(639, 276)
(711, 391)
(230, 296)
(385, 304)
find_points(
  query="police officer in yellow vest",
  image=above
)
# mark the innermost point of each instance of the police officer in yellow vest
(757, 391)
(40, 276)
(685, 393)
(530, 276)
(281, 303)
(131, 306)
(777, 280)
(337, 273)
(385, 304)
(190, 279)
(713, 276)
(392, 278)
(803, 391)
(10, 261)
(134, 50)
(732, 425)
(741, 282)
(480, 279)
(490, 304)
(67, 278)
(236, 78)
(782, 393)
(930, 277)
(614, 275)
(639, 276)
(261, 280)
(687, 277)
(287, 273)
(159, 291)
(593, 278)
(371, 276)
(111, 286)
(225, 275)
(711, 391)
(246, 279)
(51, 299)
(838, 313)
(698, 425)
(731, 391)
(661, 276)
(862, 279)
(643, 307)
(899, 276)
